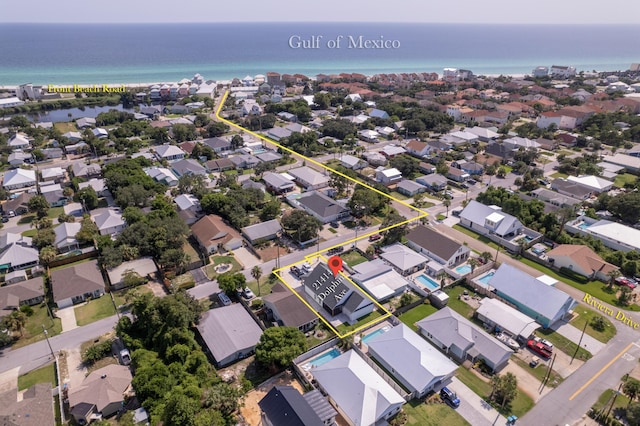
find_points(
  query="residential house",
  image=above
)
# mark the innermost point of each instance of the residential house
(219, 165)
(594, 183)
(187, 202)
(244, 161)
(435, 182)
(263, 231)
(351, 162)
(54, 195)
(188, 166)
(162, 175)
(532, 296)
(218, 145)
(19, 141)
(277, 183)
(309, 179)
(17, 206)
(83, 170)
(269, 157)
(391, 151)
(489, 220)
(278, 133)
(457, 175)
(571, 189)
(229, 333)
(379, 279)
(612, 234)
(212, 234)
(144, 267)
(378, 113)
(102, 393)
(459, 338)
(98, 185)
(65, 236)
(437, 246)
(77, 148)
(288, 310)
(554, 198)
(495, 315)
(284, 405)
(100, 133)
(73, 137)
(581, 260)
(388, 176)
(368, 135)
(374, 158)
(409, 358)
(19, 178)
(321, 207)
(169, 152)
(410, 188)
(34, 407)
(76, 283)
(18, 158)
(13, 296)
(403, 259)
(427, 168)
(17, 252)
(470, 167)
(109, 221)
(517, 142)
(418, 149)
(631, 163)
(483, 134)
(562, 71)
(251, 107)
(85, 122)
(359, 394)
(548, 144)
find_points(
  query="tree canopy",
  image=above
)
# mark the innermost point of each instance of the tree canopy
(278, 346)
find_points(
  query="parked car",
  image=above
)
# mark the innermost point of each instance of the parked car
(224, 299)
(539, 348)
(375, 237)
(334, 224)
(471, 181)
(449, 397)
(248, 294)
(626, 282)
(125, 357)
(534, 362)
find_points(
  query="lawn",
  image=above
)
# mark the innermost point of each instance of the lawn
(539, 372)
(519, 406)
(29, 233)
(46, 374)
(190, 251)
(65, 127)
(345, 328)
(265, 285)
(94, 310)
(54, 212)
(475, 235)
(33, 328)
(597, 289)
(605, 399)
(353, 258)
(217, 260)
(558, 175)
(457, 304)
(416, 314)
(585, 315)
(398, 196)
(624, 178)
(563, 344)
(421, 414)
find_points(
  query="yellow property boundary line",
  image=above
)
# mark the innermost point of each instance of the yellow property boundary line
(276, 272)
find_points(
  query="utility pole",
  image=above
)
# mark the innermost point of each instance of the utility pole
(579, 342)
(614, 400)
(46, 336)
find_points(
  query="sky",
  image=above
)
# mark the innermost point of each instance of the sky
(464, 11)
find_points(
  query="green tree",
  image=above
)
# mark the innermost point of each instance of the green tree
(47, 255)
(270, 210)
(473, 262)
(217, 129)
(486, 256)
(631, 388)
(406, 164)
(612, 275)
(230, 282)
(301, 225)
(365, 202)
(395, 234)
(45, 236)
(222, 397)
(180, 410)
(39, 205)
(88, 197)
(256, 272)
(15, 322)
(447, 203)
(278, 346)
(88, 230)
(633, 414)
(442, 168)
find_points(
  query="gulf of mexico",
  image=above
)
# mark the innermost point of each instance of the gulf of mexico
(89, 54)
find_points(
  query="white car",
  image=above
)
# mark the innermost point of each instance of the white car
(248, 294)
(125, 356)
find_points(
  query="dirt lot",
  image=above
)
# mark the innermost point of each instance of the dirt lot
(251, 411)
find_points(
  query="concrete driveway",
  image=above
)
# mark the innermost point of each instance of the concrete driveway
(473, 408)
(246, 258)
(9, 379)
(204, 290)
(68, 318)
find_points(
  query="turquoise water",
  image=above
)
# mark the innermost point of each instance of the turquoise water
(373, 334)
(486, 278)
(324, 358)
(527, 238)
(428, 282)
(584, 225)
(464, 269)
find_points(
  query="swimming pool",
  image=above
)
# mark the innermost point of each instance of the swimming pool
(464, 269)
(324, 358)
(584, 225)
(527, 238)
(427, 282)
(486, 278)
(373, 334)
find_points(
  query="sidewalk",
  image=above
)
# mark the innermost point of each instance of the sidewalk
(572, 333)
(68, 318)
(473, 408)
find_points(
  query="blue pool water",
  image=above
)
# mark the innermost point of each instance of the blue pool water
(427, 282)
(464, 269)
(527, 238)
(373, 334)
(486, 278)
(324, 358)
(583, 225)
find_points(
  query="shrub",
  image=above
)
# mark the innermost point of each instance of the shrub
(96, 352)
(27, 310)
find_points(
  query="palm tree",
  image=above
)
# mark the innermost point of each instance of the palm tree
(447, 203)
(442, 276)
(486, 256)
(613, 274)
(256, 273)
(473, 262)
(16, 322)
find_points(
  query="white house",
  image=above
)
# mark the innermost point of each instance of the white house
(19, 141)
(309, 178)
(562, 71)
(169, 152)
(19, 178)
(109, 221)
(389, 176)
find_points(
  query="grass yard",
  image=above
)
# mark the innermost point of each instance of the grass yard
(265, 285)
(217, 260)
(333, 231)
(624, 178)
(539, 372)
(65, 127)
(441, 217)
(29, 233)
(457, 304)
(345, 328)
(586, 315)
(94, 310)
(475, 235)
(416, 314)
(46, 374)
(421, 414)
(597, 289)
(190, 251)
(605, 399)
(563, 344)
(399, 196)
(54, 212)
(558, 175)
(519, 406)
(353, 258)
(33, 327)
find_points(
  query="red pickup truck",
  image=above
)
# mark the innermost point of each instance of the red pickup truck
(539, 348)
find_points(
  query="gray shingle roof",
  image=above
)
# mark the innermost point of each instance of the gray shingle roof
(322, 205)
(477, 213)
(262, 230)
(433, 241)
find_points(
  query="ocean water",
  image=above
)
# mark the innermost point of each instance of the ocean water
(121, 53)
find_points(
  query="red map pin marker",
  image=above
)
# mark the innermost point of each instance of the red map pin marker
(335, 264)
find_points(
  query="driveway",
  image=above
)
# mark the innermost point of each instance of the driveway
(9, 379)
(573, 333)
(198, 275)
(246, 258)
(473, 408)
(68, 318)
(204, 290)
